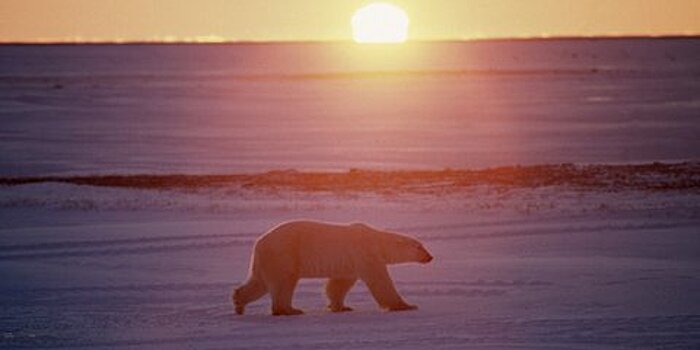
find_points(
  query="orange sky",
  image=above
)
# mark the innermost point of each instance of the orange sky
(136, 20)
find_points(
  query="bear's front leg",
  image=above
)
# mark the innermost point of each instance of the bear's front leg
(336, 290)
(377, 278)
(282, 292)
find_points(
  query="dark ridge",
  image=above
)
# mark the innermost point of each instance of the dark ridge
(133, 181)
(650, 177)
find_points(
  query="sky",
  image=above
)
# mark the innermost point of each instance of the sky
(301, 20)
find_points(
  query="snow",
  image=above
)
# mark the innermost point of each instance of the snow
(207, 109)
(521, 268)
(556, 182)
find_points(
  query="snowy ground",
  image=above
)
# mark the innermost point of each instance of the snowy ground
(530, 253)
(209, 109)
(528, 268)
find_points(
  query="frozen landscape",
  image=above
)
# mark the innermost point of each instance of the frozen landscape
(557, 184)
(143, 109)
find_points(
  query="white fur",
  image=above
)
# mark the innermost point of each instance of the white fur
(342, 253)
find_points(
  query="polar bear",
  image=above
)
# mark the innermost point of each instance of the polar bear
(341, 253)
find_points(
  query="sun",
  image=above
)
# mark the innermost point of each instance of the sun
(380, 23)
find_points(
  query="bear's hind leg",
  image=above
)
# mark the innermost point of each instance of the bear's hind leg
(251, 291)
(336, 290)
(282, 292)
(382, 288)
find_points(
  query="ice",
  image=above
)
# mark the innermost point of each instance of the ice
(555, 182)
(527, 268)
(252, 108)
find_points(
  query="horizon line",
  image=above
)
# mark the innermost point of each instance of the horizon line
(337, 41)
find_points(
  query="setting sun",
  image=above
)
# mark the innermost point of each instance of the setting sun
(365, 174)
(380, 23)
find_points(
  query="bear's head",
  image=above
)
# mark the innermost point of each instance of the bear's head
(397, 248)
(403, 249)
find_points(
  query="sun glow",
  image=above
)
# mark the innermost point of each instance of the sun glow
(380, 23)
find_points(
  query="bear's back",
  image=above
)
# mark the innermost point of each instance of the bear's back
(318, 249)
(314, 233)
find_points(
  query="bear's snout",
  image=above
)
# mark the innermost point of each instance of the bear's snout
(426, 258)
